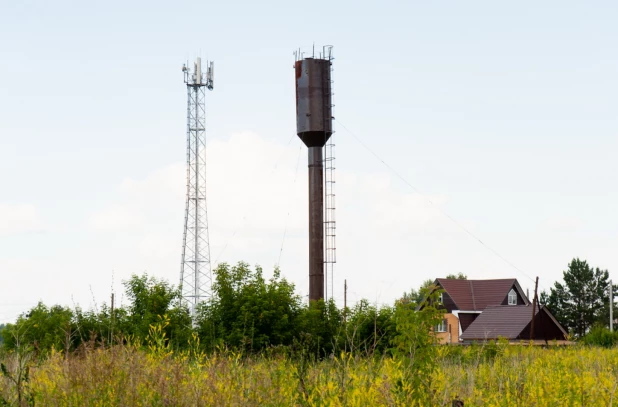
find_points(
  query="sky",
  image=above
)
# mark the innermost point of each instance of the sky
(455, 122)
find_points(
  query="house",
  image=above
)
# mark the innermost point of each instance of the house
(478, 310)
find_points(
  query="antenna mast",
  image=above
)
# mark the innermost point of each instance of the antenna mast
(195, 269)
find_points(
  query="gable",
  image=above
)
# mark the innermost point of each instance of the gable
(546, 327)
(520, 299)
(448, 303)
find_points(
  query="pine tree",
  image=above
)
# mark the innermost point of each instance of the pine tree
(582, 300)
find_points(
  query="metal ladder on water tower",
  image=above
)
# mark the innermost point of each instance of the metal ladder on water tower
(330, 228)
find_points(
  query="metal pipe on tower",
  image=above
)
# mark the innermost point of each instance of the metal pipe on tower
(314, 128)
(316, 223)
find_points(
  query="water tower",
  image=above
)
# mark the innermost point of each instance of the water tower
(314, 127)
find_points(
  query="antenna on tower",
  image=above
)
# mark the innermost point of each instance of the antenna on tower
(195, 269)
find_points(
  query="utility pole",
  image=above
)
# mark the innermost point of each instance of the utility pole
(111, 318)
(611, 306)
(536, 286)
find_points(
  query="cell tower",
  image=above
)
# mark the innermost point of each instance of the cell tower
(195, 271)
(314, 127)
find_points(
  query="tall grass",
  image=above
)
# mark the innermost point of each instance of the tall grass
(126, 375)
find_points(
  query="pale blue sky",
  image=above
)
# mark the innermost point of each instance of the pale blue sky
(504, 114)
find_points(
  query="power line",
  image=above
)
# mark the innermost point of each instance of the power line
(247, 210)
(285, 228)
(415, 189)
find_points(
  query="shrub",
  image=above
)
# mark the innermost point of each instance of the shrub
(600, 336)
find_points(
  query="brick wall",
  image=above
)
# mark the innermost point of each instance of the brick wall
(452, 330)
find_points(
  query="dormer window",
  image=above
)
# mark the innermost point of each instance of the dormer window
(512, 297)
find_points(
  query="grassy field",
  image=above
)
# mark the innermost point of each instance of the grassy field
(490, 376)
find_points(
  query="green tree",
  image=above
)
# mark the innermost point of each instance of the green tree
(152, 299)
(458, 276)
(416, 296)
(63, 328)
(413, 343)
(582, 300)
(319, 328)
(102, 326)
(42, 327)
(368, 328)
(2, 326)
(248, 312)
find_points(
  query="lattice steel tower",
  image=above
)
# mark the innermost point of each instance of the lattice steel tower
(195, 271)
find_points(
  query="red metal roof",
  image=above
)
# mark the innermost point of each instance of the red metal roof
(476, 295)
(506, 321)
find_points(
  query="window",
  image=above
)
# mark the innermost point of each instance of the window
(441, 299)
(442, 327)
(512, 297)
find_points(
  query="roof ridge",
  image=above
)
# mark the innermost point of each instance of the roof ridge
(484, 280)
(478, 279)
(506, 306)
(473, 299)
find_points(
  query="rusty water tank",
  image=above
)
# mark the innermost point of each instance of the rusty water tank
(313, 101)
